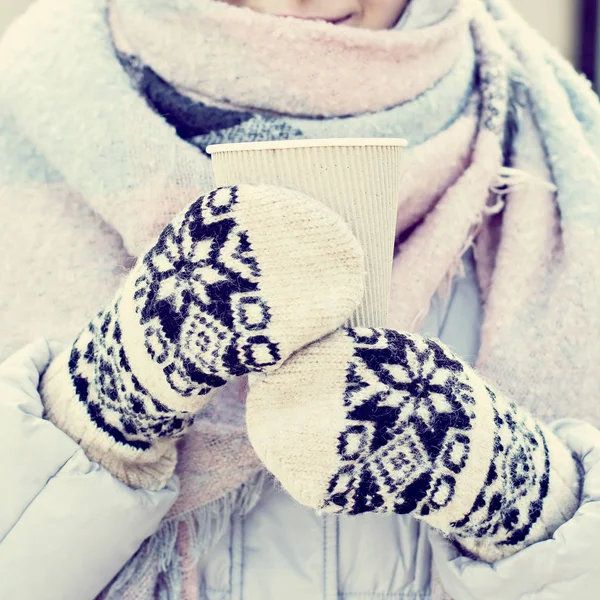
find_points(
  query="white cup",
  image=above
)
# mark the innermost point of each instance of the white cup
(357, 178)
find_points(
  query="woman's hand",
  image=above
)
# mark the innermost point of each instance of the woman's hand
(372, 420)
(234, 284)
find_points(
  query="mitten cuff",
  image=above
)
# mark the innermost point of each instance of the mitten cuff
(139, 465)
(559, 494)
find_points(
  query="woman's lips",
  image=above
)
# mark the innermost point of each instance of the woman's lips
(333, 20)
(341, 21)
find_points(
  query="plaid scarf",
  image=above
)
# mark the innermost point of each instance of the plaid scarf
(503, 159)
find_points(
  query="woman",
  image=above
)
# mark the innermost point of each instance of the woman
(411, 457)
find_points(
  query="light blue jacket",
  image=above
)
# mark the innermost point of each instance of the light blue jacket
(67, 526)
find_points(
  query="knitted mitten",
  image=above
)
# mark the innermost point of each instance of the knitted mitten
(370, 420)
(235, 283)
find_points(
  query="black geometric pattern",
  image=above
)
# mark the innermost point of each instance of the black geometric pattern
(410, 413)
(197, 299)
(517, 482)
(115, 399)
(409, 406)
(199, 302)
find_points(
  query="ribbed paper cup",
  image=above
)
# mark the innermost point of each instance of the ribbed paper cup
(358, 178)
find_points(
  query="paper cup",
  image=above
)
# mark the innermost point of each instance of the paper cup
(357, 178)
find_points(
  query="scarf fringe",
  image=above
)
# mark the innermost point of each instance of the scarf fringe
(509, 178)
(208, 524)
(205, 527)
(506, 181)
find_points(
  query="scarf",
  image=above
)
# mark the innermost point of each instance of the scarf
(503, 160)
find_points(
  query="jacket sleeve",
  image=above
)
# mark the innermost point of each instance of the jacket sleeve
(565, 567)
(66, 525)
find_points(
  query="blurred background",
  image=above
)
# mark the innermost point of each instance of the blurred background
(571, 25)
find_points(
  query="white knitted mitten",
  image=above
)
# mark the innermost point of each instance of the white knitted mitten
(371, 420)
(236, 283)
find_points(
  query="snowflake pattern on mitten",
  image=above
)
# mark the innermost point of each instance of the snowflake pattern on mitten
(213, 299)
(198, 301)
(411, 410)
(373, 420)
